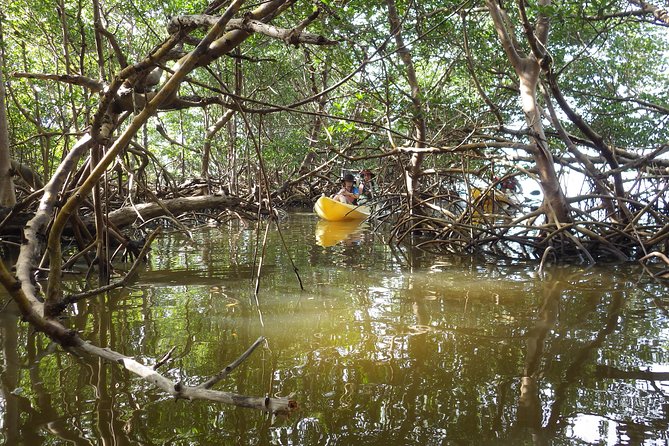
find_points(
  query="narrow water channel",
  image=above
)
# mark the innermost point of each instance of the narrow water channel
(384, 346)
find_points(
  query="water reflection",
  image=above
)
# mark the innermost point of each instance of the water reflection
(530, 411)
(383, 347)
(329, 233)
(10, 375)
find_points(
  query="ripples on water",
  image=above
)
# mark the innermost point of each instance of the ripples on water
(384, 346)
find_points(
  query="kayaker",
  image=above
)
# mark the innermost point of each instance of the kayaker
(348, 193)
(365, 188)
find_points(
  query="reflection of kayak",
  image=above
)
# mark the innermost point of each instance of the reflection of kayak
(329, 233)
(332, 210)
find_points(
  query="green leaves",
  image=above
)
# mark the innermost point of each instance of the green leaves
(612, 67)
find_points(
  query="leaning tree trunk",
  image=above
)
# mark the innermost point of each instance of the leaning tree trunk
(7, 192)
(134, 89)
(528, 68)
(413, 170)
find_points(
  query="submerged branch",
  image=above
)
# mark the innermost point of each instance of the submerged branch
(211, 382)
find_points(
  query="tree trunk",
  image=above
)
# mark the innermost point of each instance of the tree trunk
(413, 170)
(557, 208)
(7, 192)
(527, 68)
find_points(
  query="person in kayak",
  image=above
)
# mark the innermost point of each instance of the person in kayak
(348, 193)
(366, 188)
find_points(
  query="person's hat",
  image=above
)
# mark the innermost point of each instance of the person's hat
(349, 177)
(367, 171)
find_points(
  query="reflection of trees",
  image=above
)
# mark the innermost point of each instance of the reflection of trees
(10, 375)
(20, 419)
(575, 370)
(529, 404)
(24, 417)
(110, 407)
(529, 413)
(374, 356)
(43, 410)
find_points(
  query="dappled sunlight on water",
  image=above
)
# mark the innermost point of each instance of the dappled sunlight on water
(383, 346)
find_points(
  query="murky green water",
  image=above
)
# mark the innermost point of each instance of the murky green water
(383, 347)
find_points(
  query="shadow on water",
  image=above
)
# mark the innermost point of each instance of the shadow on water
(384, 346)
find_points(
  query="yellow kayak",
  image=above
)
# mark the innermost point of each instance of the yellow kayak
(332, 210)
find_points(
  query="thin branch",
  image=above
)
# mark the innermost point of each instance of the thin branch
(166, 357)
(119, 283)
(211, 382)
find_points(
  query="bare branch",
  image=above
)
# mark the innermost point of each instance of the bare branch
(74, 79)
(166, 357)
(290, 36)
(502, 23)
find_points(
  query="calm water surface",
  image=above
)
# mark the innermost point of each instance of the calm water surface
(383, 347)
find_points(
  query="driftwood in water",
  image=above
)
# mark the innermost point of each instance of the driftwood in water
(181, 391)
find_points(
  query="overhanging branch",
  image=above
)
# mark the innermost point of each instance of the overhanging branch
(292, 36)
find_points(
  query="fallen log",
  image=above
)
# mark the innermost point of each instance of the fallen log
(146, 211)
